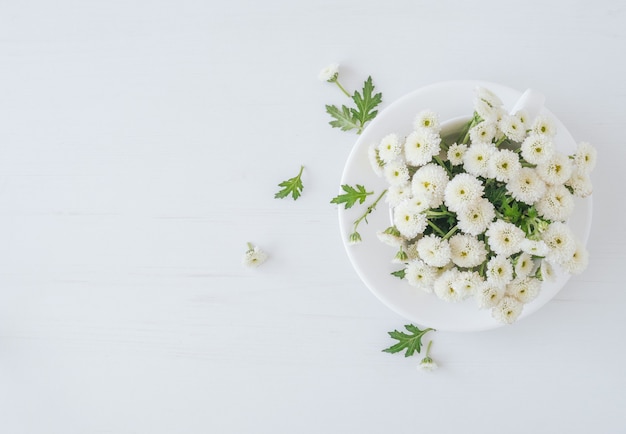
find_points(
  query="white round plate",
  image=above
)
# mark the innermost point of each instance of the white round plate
(372, 259)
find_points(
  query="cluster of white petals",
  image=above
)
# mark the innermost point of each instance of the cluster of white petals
(483, 217)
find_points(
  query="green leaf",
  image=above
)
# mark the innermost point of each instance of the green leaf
(411, 342)
(343, 118)
(365, 103)
(351, 195)
(399, 273)
(292, 186)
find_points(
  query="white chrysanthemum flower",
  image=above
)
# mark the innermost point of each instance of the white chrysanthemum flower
(585, 157)
(397, 194)
(419, 202)
(444, 286)
(546, 271)
(555, 170)
(461, 191)
(467, 283)
(434, 251)
(537, 149)
(484, 132)
(488, 96)
(396, 172)
(375, 161)
(467, 251)
(488, 294)
(427, 119)
(557, 203)
(254, 256)
(544, 125)
(526, 186)
(420, 146)
(534, 247)
(476, 159)
(390, 148)
(421, 275)
(329, 73)
(392, 237)
(503, 165)
(579, 260)
(455, 153)
(561, 242)
(524, 289)
(409, 220)
(580, 184)
(523, 118)
(430, 182)
(427, 364)
(499, 270)
(524, 265)
(504, 238)
(507, 310)
(476, 217)
(513, 128)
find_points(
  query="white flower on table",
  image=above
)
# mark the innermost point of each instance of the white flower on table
(254, 256)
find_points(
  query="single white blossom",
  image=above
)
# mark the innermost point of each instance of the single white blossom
(427, 119)
(376, 162)
(507, 310)
(578, 261)
(409, 220)
(546, 271)
(420, 146)
(537, 149)
(580, 183)
(397, 194)
(430, 181)
(467, 251)
(585, 157)
(499, 270)
(420, 275)
(526, 186)
(484, 132)
(556, 169)
(534, 247)
(504, 238)
(433, 250)
(503, 165)
(561, 242)
(544, 125)
(476, 159)
(329, 73)
(524, 289)
(557, 203)
(513, 128)
(444, 286)
(523, 118)
(475, 218)
(467, 283)
(427, 363)
(488, 294)
(254, 256)
(392, 237)
(390, 148)
(396, 172)
(461, 191)
(524, 265)
(455, 153)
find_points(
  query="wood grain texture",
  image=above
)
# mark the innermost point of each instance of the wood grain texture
(141, 144)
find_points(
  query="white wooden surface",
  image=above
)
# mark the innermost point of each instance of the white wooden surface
(141, 143)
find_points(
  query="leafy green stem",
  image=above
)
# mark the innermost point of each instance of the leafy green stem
(342, 88)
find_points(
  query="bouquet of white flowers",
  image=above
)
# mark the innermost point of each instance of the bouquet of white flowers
(481, 210)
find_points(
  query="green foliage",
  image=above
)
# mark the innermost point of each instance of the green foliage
(291, 186)
(355, 118)
(411, 342)
(351, 195)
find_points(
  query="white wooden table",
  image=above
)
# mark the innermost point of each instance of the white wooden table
(141, 144)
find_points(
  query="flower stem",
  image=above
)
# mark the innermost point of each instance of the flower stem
(369, 209)
(436, 228)
(428, 348)
(342, 88)
(451, 232)
(250, 246)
